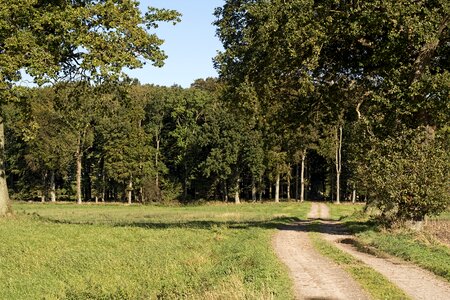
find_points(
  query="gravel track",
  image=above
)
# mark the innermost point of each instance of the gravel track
(316, 277)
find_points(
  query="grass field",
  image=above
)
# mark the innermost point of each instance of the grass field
(65, 251)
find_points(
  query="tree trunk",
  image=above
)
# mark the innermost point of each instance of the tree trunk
(338, 163)
(296, 182)
(237, 200)
(185, 191)
(225, 191)
(302, 178)
(253, 189)
(4, 196)
(130, 190)
(288, 189)
(104, 196)
(44, 188)
(277, 188)
(52, 186)
(79, 157)
(260, 189)
(354, 194)
(156, 162)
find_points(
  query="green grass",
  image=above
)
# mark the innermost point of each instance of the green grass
(373, 282)
(412, 247)
(444, 216)
(344, 210)
(417, 248)
(66, 251)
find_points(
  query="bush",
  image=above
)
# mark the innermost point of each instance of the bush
(409, 175)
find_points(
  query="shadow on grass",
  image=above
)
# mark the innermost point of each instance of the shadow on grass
(329, 226)
(280, 223)
(275, 223)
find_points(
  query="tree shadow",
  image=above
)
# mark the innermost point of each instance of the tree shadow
(327, 226)
(279, 223)
(274, 223)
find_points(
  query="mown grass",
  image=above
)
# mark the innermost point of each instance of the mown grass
(419, 248)
(375, 284)
(133, 252)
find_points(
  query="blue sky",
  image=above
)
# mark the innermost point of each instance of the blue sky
(190, 45)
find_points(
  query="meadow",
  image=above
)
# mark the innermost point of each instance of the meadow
(214, 251)
(66, 251)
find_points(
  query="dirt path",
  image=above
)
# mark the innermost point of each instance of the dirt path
(416, 282)
(314, 276)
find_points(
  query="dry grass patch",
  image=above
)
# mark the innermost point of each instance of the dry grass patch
(439, 229)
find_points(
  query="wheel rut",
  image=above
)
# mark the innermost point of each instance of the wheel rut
(316, 277)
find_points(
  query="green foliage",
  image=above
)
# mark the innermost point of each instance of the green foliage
(83, 41)
(409, 176)
(377, 68)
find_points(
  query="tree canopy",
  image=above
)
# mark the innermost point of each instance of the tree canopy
(74, 40)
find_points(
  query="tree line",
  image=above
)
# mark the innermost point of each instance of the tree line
(123, 141)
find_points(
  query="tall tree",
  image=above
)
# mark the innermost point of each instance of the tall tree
(188, 115)
(71, 39)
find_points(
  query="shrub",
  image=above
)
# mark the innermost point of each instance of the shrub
(409, 175)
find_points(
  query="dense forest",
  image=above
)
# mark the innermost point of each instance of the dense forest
(335, 100)
(144, 143)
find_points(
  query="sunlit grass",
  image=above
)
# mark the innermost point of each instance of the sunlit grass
(66, 251)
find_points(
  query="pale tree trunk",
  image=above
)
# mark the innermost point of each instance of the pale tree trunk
(103, 184)
(79, 158)
(338, 163)
(277, 188)
(237, 199)
(296, 183)
(354, 194)
(96, 199)
(302, 178)
(288, 188)
(130, 190)
(260, 189)
(44, 188)
(253, 189)
(4, 196)
(156, 162)
(270, 190)
(52, 186)
(225, 191)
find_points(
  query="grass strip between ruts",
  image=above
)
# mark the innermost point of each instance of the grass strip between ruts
(374, 283)
(420, 248)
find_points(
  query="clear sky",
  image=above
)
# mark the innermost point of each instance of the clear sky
(190, 45)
